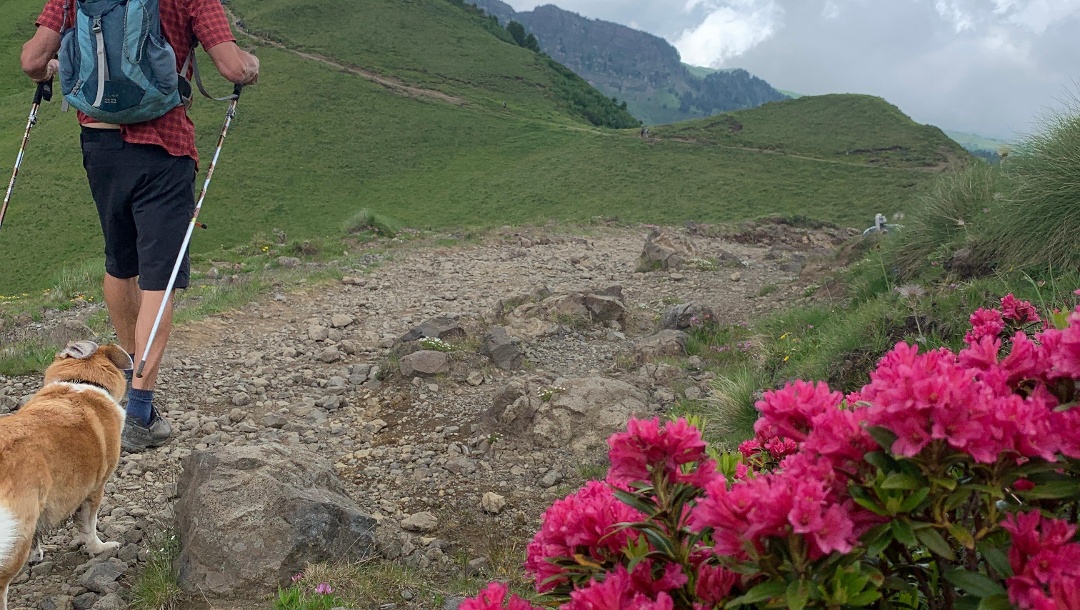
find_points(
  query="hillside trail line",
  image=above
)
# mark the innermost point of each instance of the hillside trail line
(390, 83)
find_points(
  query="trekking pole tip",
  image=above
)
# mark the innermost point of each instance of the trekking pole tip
(138, 371)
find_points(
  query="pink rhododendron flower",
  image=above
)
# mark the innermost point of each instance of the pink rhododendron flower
(616, 592)
(582, 523)
(1045, 562)
(790, 411)
(984, 323)
(494, 597)
(1063, 349)
(647, 447)
(714, 584)
(1015, 310)
(803, 498)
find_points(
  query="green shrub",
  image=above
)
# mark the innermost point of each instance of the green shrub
(954, 214)
(1038, 225)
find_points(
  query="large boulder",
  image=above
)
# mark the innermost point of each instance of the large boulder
(578, 414)
(424, 363)
(250, 517)
(503, 349)
(665, 250)
(687, 315)
(446, 327)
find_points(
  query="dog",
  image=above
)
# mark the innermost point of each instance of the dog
(57, 452)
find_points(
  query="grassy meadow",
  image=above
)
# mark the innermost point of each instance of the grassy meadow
(312, 144)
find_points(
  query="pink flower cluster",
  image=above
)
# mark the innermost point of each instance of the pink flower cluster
(584, 523)
(1014, 314)
(647, 449)
(776, 447)
(805, 497)
(638, 589)
(494, 597)
(1045, 563)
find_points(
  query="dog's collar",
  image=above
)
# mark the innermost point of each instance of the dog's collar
(84, 382)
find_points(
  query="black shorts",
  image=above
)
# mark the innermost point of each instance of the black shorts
(145, 199)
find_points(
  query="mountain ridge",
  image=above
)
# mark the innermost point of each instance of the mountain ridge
(640, 68)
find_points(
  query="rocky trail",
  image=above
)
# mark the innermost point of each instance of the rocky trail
(554, 339)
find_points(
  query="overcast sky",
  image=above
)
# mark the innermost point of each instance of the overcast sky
(983, 66)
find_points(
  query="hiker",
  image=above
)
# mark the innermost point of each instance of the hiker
(141, 177)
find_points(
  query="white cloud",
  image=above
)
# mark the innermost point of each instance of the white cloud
(728, 30)
(831, 10)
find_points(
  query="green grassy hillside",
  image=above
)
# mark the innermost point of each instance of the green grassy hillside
(843, 128)
(313, 143)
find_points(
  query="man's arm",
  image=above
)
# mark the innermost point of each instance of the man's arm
(38, 52)
(235, 64)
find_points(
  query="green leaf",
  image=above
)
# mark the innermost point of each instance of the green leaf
(899, 480)
(946, 482)
(882, 436)
(881, 460)
(962, 535)
(877, 538)
(914, 500)
(996, 559)
(1054, 490)
(931, 539)
(636, 502)
(975, 583)
(958, 497)
(798, 593)
(871, 506)
(902, 530)
(995, 602)
(763, 592)
(864, 599)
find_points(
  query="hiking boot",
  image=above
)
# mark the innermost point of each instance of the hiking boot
(137, 437)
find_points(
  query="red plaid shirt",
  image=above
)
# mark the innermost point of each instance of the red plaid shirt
(180, 20)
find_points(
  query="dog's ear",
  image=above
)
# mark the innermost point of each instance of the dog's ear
(117, 356)
(79, 349)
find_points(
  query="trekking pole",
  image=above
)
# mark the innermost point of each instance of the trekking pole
(44, 92)
(191, 227)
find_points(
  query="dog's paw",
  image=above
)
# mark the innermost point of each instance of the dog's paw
(97, 547)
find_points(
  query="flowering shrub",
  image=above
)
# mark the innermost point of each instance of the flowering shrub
(951, 480)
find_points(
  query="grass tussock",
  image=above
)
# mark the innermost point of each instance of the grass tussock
(1038, 225)
(156, 588)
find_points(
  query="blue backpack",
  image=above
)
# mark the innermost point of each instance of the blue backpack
(115, 66)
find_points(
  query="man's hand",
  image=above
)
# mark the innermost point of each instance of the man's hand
(235, 64)
(51, 69)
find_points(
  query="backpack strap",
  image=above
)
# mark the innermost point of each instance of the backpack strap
(198, 79)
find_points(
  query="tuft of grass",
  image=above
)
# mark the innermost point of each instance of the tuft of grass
(156, 587)
(1037, 226)
(955, 213)
(367, 221)
(27, 357)
(730, 411)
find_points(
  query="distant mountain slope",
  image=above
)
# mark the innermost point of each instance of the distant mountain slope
(631, 65)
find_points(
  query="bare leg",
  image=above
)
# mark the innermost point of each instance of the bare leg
(122, 298)
(148, 310)
(87, 517)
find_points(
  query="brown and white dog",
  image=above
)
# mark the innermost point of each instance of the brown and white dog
(57, 452)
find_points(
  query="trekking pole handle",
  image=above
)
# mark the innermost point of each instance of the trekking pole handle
(237, 88)
(44, 91)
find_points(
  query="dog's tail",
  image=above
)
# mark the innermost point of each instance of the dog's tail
(9, 533)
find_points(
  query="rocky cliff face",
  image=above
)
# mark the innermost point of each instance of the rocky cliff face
(631, 65)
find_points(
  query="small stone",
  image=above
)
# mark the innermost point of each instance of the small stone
(423, 522)
(493, 503)
(692, 393)
(288, 261)
(237, 415)
(318, 333)
(475, 378)
(240, 399)
(477, 567)
(736, 276)
(330, 355)
(340, 320)
(273, 420)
